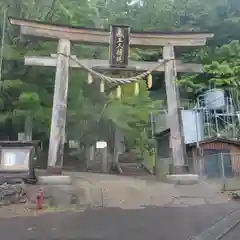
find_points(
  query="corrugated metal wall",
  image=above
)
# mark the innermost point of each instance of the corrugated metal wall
(233, 148)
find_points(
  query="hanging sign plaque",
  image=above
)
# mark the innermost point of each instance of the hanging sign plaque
(119, 46)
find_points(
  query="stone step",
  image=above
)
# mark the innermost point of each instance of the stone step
(54, 180)
(128, 168)
(133, 169)
(183, 179)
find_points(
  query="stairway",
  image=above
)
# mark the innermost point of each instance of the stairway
(130, 165)
(125, 169)
(133, 169)
(94, 167)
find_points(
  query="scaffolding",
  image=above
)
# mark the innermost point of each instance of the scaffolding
(220, 121)
(217, 121)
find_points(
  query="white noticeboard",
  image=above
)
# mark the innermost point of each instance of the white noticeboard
(101, 144)
(10, 159)
(73, 144)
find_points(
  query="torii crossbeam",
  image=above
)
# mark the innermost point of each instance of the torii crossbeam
(51, 61)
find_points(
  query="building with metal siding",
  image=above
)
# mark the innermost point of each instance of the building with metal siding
(210, 150)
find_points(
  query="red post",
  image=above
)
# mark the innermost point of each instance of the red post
(39, 199)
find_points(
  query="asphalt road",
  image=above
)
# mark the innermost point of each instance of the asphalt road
(233, 234)
(165, 223)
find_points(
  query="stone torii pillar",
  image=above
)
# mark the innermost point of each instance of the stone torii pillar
(174, 114)
(59, 110)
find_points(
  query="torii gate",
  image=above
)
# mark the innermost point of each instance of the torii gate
(62, 62)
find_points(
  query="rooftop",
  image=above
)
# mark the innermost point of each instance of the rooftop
(208, 140)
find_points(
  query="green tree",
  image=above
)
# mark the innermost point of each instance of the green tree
(29, 90)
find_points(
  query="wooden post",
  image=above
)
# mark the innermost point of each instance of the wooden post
(177, 143)
(57, 134)
(119, 146)
(28, 128)
(105, 166)
(90, 156)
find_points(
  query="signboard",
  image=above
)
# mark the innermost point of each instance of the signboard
(21, 136)
(13, 158)
(9, 159)
(101, 144)
(119, 46)
(73, 144)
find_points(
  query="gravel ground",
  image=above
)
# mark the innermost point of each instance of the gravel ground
(165, 223)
